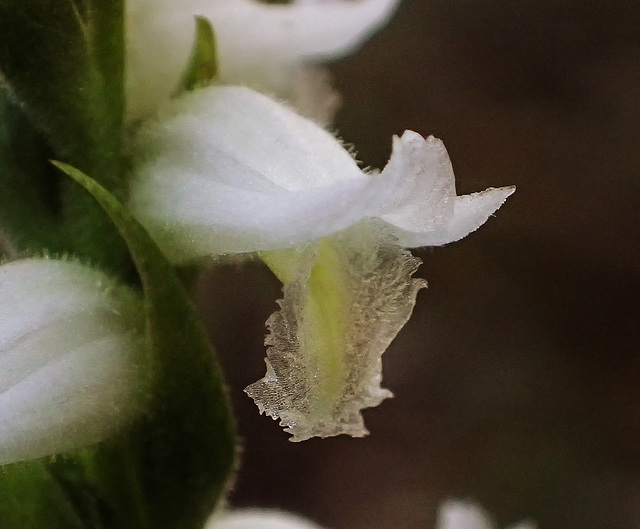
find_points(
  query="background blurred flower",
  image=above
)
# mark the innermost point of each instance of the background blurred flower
(270, 47)
(455, 514)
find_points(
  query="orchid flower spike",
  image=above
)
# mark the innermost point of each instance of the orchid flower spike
(273, 48)
(456, 514)
(228, 170)
(71, 354)
(258, 519)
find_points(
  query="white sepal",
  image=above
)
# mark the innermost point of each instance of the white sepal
(259, 45)
(229, 170)
(71, 355)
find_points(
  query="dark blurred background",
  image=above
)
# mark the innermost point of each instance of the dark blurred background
(517, 380)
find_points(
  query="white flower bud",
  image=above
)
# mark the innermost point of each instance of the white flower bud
(71, 355)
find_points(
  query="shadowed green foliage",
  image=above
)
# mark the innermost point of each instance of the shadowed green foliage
(63, 61)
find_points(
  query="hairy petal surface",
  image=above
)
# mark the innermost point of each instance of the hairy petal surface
(229, 170)
(259, 45)
(71, 355)
(345, 299)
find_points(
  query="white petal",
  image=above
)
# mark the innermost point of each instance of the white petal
(229, 170)
(462, 515)
(69, 357)
(423, 168)
(258, 519)
(470, 212)
(432, 214)
(260, 45)
(344, 302)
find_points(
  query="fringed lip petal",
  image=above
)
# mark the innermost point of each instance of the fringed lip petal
(345, 299)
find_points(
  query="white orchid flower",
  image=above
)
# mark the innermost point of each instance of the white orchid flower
(228, 170)
(70, 357)
(258, 519)
(455, 514)
(272, 48)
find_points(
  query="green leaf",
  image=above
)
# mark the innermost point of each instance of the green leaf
(63, 61)
(181, 454)
(203, 63)
(31, 497)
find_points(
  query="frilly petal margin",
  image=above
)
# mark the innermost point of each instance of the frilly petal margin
(229, 170)
(345, 300)
(280, 38)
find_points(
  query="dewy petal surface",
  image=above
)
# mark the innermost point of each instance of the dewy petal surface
(229, 170)
(260, 45)
(345, 299)
(70, 354)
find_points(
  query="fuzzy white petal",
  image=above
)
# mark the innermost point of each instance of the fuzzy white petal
(260, 45)
(229, 170)
(258, 519)
(69, 357)
(345, 299)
